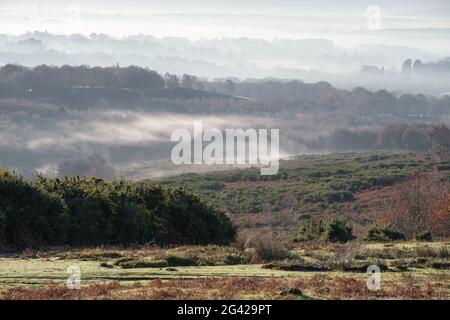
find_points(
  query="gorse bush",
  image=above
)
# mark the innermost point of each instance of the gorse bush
(310, 230)
(29, 214)
(424, 236)
(384, 233)
(332, 230)
(116, 212)
(77, 211)
(193, 221)
(337, 231)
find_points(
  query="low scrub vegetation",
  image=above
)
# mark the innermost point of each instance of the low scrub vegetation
(267, 249)
(333, 230)
(442, 251)
(364, 189)
(328, 265)
(384, 233)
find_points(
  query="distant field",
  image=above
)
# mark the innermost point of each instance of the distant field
(409, 271)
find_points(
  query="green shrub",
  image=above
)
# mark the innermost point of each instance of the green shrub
(177, 261)
(2, 228)
(337, 231)
(91, 211)
(440, 265)
(232, 260)
(337, 196)
(30, 216)
(193, 221)
(310, 230)
(384, 233)
(131, 264)
(216, 186)
(106, 265)
(424, 236)
(333, 230)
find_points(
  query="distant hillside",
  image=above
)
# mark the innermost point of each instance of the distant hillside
(84, 86)
(124, 117)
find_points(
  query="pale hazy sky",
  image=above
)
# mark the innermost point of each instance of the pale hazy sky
(270, 7)
(225, 18)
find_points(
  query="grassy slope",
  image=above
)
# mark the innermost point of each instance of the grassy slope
(305, 186)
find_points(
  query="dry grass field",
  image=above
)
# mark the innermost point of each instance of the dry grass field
(410, 270)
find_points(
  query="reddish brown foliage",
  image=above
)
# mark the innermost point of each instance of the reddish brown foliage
(418, 205)
(441, 216)
(318, 286)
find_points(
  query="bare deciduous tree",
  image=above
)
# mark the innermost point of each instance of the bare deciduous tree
(416, 206)
(440, 139)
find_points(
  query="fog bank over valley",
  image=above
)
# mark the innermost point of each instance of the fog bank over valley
(375, 66)
(97, 87)
(117, 121)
